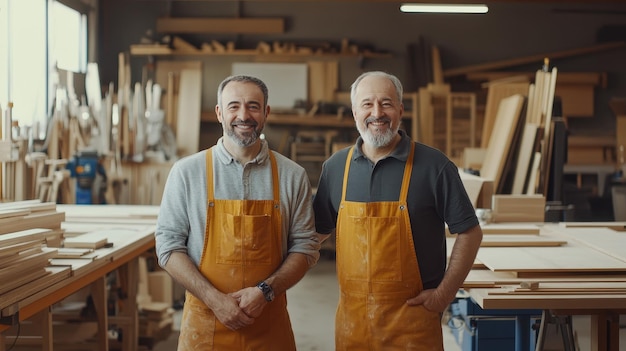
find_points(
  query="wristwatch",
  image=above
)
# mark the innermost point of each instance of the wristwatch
(267, 291)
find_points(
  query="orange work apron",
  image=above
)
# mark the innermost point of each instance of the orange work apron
(242, 246)
(378, 271)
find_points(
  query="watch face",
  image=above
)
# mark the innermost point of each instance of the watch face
(268, 293)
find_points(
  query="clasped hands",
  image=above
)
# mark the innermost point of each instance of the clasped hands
(239, 309)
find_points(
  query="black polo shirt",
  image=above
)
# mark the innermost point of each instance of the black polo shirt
(436, 196)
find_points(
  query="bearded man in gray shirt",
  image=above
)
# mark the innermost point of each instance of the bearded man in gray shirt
(236, 229)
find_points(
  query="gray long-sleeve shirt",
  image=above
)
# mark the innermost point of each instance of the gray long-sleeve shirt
(182, 215)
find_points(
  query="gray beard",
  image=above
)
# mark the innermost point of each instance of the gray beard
(377, 140)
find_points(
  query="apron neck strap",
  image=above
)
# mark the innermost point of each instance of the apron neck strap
(209, 173)
(406, 180)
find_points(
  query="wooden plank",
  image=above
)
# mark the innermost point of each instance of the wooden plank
(169, 74)
(181, 46)
(13, 300)
(512, 240)
(619, 226)
(93, 240)
(524, 158)
(477, 278)
(605, 240)
(518, 208)
(598, 79)
(511, 228)
(31, 205)
(548, 135)
(13, 250)
(13, 213)
(24, 277)
(567, 258)
(23, 235)
(495, 93)
(70, 252)
(26, 262)
(572, 285)
(532, 59)
(32, 256)
(48, 220)
(499, 143)
(188, 113)
(531, 187)
(323, 81)
(220, 25)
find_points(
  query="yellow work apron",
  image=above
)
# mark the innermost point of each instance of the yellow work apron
(378, 271)
(242, 246)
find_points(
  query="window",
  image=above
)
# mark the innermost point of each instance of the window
(36, 36)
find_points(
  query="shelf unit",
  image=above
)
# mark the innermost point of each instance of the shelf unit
(164, 50)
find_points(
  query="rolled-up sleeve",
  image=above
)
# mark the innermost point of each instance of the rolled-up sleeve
(302, 236)
(172, 231)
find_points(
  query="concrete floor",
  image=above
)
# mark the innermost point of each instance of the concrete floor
(312, 304)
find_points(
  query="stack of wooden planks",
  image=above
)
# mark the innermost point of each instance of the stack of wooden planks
(518, 135)
(555, 261)
(30, 235)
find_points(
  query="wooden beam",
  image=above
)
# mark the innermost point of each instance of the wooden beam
(538, 59)
(221, 25)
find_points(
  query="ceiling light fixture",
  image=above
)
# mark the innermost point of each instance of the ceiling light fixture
(443, 8)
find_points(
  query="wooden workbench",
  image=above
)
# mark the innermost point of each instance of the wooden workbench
(584, 276)
(130, 230)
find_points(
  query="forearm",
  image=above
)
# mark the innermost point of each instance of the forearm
(293, 268)
(185, 272)
(461, 261)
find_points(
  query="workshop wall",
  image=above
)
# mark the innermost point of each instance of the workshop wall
(509, 30)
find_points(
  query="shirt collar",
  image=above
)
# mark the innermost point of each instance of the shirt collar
(226, 158)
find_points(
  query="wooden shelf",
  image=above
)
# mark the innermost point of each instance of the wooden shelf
(163, 50)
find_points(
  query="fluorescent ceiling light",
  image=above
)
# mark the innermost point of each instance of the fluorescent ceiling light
(443, 8)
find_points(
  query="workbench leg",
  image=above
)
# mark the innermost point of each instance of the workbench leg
(99, 297)
(605, 332)
(129, 278)
(522, 333)
(3, 339)
(44, 319)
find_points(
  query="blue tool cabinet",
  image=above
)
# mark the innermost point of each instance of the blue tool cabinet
(476, 329)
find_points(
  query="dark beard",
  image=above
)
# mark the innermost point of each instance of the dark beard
(246, 139)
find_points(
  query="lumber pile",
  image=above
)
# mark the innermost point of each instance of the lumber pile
(30, 235)
(558, 261)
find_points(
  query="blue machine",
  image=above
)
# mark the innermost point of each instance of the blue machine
(477, 329)
(90, 177)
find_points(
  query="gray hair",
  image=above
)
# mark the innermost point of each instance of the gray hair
(243, 79)
(396, 82)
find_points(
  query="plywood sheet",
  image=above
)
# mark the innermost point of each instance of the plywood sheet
(511, 228)
(619, 226)
(500, 140)
(487, 278)
(495, 93)
(605, 240)
(568, 258)
(513, 240)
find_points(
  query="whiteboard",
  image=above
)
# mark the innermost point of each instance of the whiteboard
(286, 82)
